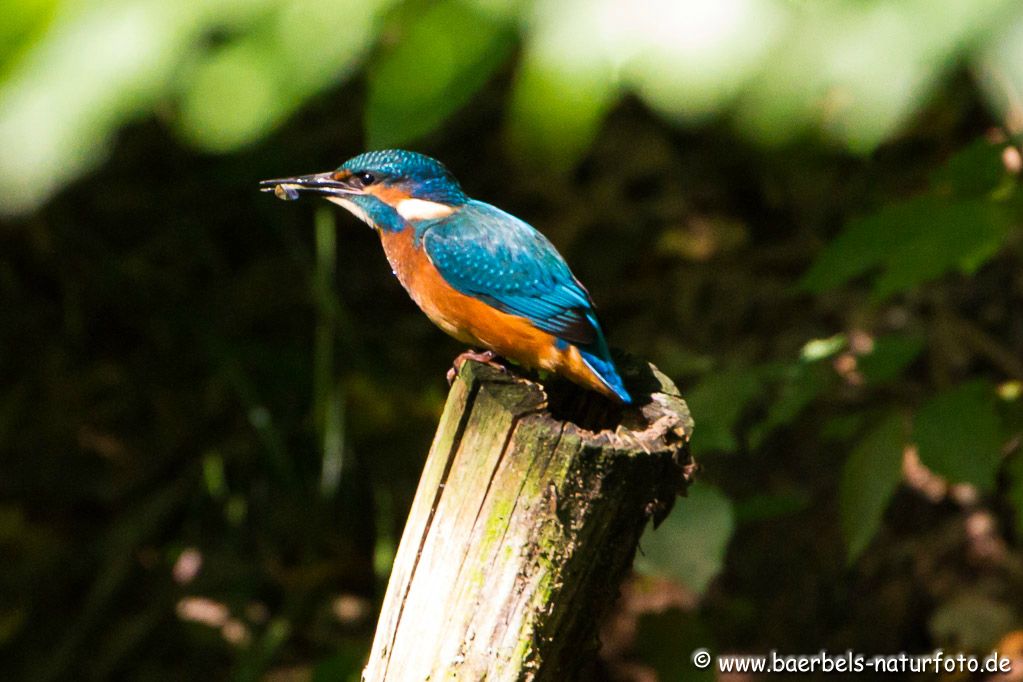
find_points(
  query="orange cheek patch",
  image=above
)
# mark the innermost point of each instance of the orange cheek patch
(389, 194)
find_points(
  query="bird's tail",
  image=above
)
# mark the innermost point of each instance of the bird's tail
(598, 359)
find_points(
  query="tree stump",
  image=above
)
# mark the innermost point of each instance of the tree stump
(526, 519)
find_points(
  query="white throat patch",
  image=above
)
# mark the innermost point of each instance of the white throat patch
(421, 209)
(352, 208)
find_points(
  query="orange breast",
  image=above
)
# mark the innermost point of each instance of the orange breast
(476, 323)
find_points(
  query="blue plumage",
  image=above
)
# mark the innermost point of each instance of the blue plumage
(478, 251)
(484, 252)
(429, 178)
(599, 360)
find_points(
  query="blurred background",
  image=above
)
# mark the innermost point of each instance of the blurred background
(214, 406)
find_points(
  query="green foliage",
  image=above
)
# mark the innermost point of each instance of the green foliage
(889, 357)
(958, 434)
(239, 92)
(563, 88)
(690, 545)
(766, 507)
(720, 399)
(973, 171)
(819, 349)
(344, 666)
(957, 226)
(1014, 472)
(796, 386)
(911, 243)
(187, 364)
(665, 640)
(227, 74)
(444, 55)
(24, 22)
(870, 477)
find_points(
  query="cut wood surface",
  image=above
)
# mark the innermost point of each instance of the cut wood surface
(526, 519)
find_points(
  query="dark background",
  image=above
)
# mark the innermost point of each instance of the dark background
(214, 406)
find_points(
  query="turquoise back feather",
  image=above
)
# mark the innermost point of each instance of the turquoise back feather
(491, 255)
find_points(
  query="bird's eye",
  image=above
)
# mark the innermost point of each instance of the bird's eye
(365, 178)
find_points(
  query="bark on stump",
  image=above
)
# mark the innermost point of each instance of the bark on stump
(526, 519)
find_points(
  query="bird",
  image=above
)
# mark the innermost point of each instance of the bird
(485, 277)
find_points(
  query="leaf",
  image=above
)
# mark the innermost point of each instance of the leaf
(950, 236)
(910, 243)
(439, 62)
(958, 434)
(309, 27)
(564, 86)
(801, 384)
(843, 427)
(664, 641)
(974, 170)
(890, 356)
(345, 665)
(870, 477)
(232, 98)
(718, 401)
(239, 92)
(820, 349)
(1014, 472)
(863, 245)
(767, 506)
(23, 24)
(690, 545)
(555, 116)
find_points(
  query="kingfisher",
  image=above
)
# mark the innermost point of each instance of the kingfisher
(482, 275)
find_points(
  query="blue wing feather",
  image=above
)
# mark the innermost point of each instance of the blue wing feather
(491, 255)
(486, 253)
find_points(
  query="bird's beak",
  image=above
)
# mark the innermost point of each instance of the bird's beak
(289, 189)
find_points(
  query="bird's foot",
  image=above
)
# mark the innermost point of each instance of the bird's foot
(485, 356)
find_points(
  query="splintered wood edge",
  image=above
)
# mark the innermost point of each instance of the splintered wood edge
(661, 412)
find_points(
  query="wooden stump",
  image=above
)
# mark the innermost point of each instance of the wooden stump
(526, 519)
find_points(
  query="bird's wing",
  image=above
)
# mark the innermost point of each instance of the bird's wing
(491, 255)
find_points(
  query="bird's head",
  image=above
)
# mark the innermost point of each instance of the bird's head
(386, 189)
